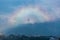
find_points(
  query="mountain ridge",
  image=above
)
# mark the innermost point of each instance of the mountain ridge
(47, 28)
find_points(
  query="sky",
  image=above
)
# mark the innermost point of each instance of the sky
(15, 12)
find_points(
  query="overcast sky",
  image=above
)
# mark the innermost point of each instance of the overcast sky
(9, 7)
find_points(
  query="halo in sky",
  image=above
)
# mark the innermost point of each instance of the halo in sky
(29, 14)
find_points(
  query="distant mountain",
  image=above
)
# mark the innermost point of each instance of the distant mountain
(47, 28)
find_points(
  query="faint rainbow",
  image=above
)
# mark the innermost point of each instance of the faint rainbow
(47, 17)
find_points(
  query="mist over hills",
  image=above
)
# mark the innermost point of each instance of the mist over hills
(43, 29)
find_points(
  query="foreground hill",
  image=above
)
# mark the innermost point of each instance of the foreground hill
(47, 28)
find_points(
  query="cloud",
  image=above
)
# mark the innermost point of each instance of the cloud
(4, 24)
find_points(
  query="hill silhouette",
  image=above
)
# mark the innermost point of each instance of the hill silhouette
(43, 29)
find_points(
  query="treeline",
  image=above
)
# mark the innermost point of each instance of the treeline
(23, 37)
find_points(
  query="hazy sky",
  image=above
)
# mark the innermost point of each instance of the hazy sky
(14, 12)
